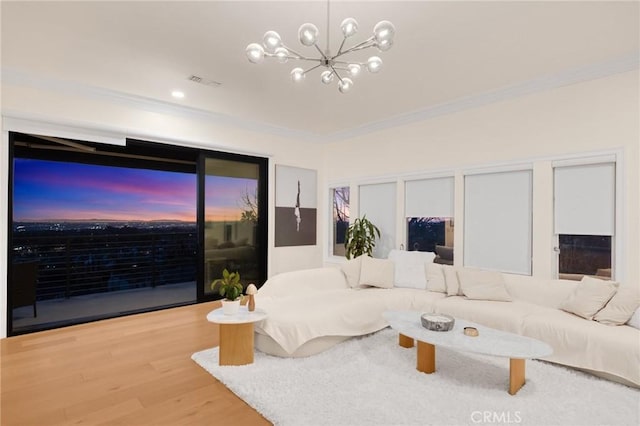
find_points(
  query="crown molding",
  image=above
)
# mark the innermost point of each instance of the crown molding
(547, 82)
(568, 77)
(26, 79)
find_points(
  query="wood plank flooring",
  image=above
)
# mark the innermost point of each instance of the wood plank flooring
(135, 370)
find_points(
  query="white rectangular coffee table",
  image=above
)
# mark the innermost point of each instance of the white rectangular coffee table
(489, 342)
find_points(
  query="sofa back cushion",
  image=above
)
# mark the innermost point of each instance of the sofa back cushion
(435, 278)
(451, 280)
(351, 270)
(477, 284)
(621, 306)
(589, 297)
(409, 268)
(376, 273)
(549, 293)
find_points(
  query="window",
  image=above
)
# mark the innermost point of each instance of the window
(584, 204)
(429, 216)
(378, 203)
(584, 255)
(340, 201)
(497, 221)
(98, 231)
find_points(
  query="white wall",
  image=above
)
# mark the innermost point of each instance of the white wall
(600, 115)
(122, 117)
(595, 116)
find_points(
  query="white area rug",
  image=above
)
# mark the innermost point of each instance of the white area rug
(373, 381)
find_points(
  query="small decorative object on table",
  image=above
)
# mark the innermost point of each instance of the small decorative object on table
(437, 322)
(471, 331)
(230, 288)
(251, 291)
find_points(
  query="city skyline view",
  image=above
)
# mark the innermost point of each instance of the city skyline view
(48, 191)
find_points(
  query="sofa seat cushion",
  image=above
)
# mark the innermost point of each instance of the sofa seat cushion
(293, 321)
(506, 316)
(588, 344)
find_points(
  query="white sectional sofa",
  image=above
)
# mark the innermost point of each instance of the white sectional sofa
(312, 310)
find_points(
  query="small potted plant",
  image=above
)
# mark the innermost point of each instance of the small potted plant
(360, 238)
(230, 288)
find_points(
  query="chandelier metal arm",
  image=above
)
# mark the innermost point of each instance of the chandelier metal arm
(299, 58)
(336, 72)
(369, 40)
(344, 40)
(321, 52)
(359, 46)
(312, 68)
(362, 64)
(298, 55)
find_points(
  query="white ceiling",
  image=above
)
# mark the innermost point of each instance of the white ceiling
(444, 51)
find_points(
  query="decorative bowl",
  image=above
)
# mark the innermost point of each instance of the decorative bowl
(437, 322)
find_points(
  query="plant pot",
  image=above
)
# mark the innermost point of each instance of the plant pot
(230, 307)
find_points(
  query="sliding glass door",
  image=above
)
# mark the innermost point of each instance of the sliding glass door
(98, 231)
(233, 214)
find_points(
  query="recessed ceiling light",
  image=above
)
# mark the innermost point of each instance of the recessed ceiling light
(177, 94)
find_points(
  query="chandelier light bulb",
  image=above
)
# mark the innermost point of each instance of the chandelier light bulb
(326, 76)
(384, 30)
(297, 74)
(349, 27)
(345, 85)
(255, 53)
(374, 64)
(282, 54)
(383, 46)
(308, 34)
(354, 69)
(271, 41)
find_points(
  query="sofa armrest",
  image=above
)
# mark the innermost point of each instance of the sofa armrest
(303, 282)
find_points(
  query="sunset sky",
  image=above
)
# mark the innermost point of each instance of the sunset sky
(51, 190)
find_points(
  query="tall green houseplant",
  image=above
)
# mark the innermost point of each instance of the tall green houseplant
(360, 238)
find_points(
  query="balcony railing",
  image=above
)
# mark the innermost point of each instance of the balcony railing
(72, 265)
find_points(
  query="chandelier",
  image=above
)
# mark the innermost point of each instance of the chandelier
(338, 67)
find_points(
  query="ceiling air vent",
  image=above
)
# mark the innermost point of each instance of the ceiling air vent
(205, 81)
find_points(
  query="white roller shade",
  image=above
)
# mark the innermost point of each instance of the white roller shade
(497, 221)
(585, 199)
(429, 197)
(378, 202)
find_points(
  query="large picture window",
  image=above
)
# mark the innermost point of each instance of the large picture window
(378, 203)
(497, 221)
(340, 219)
(584, 205)
(429, 216)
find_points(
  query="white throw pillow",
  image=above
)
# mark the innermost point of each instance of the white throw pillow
(376, 272)
(451, 279)
(409, 268)
(589, 297)
(351, 270)
(621, 306)
(477, 284)
(435, 278)
(635, 319)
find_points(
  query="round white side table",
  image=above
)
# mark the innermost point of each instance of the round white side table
(236, 334)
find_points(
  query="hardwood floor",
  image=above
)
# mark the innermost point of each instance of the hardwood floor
(135, 370)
